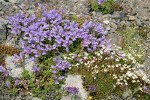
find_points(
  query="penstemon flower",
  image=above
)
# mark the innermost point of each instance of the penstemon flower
(8, 84)
(39, 35)
(17, 82)
(2, 69)
(36, 69)
(92, 88)
(101, 1)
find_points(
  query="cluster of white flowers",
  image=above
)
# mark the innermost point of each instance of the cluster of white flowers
(126, 70)
(123, 67)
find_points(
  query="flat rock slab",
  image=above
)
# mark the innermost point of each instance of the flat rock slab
(16, 71)
(75, 81)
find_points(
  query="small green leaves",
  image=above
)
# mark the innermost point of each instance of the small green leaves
(25, 74)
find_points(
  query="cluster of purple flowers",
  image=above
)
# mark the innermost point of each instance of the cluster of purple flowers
(58, 79)
(72, 90)
(39, 35)
(60, 66)
(36, 69)
(50, 31)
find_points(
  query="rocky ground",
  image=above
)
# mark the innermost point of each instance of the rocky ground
(135, 12)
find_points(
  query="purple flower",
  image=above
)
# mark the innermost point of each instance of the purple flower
(107, 48)
(56, 82)
(92, 88)
(61, 78)
(100, 1)
(8, 84)
(36, 69)
(72, 90)
(54, 71)
(145, 88)
(60, 64)
(17, 82)
(86, 43)
(2, 69)
(74, 55)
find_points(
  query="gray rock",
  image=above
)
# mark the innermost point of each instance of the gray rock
(114, 26)
(75, 81)
(118, 15)
(13, 1)
(35, 98)
(12, 68)
(74, 0)
(108, 28)
(122, 15)
(138, 21)
(115, 39)
(113, 97)
(3, 31)
(106, 22)
(131, 18)
(29, 98)
(127, 93)
(115, 15)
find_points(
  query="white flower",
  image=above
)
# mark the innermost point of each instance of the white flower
(102, 65)
(96, 66)
(133, 81)
(117, 65)
(112, 66)
(117, 59)
(126, 83)
(98, 54)
(129, 73)
(105, 70)
(122, 68)
(108, 66)
(96, 71)
(114, 86)
(115, 76)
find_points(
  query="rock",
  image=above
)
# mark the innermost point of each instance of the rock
(114, 26)
(131, 18)
(138, 22)
(106, 21)
(29, 98)
(127, 93)
(122, 15)
(113, 97)
(12, 68)
(115, 15)
(13, 1)
(74, 0)
(3, 31)
(108, 28)
(116, 39)
(122, 22)
(75, 81)
(35, 98)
